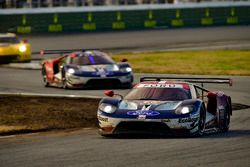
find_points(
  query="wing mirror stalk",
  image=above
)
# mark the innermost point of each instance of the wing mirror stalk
(110, 93)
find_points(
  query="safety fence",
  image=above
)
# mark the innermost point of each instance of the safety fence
(104, 19)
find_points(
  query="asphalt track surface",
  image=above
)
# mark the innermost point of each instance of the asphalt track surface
(87, 148)
(235, 37)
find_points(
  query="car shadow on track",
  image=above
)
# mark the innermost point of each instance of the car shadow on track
(229, 134)
(214, 135)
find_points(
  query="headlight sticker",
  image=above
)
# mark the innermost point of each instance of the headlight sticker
(168, 106)
(125, 105)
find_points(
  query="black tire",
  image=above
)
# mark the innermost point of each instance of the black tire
(64, 80)
(202, 122)
(226, 122)
(45, 80)
(64, 83)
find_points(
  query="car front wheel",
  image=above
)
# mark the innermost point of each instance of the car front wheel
(45, 80)
(226, 122)
(202, 122)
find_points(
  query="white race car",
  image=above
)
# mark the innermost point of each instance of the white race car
(166, 106)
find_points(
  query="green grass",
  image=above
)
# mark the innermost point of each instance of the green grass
(218, 62)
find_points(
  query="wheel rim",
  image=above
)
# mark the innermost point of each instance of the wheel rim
(45, 81)
(227, 121)
(201, 124)
(65, 83)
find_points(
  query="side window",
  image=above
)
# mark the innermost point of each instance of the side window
(201, 95)
(198, 93)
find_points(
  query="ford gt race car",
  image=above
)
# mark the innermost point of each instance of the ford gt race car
(13, 49)
(166, 106)
(85, 68)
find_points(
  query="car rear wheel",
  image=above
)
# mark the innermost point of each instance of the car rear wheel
(45, 79)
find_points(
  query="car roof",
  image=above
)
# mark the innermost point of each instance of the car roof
(4, 35)
(164, 84)
(88, 52)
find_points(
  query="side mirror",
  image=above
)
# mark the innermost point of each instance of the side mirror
(42, 52)
(109, 93)
(124, 60)
(211, 95)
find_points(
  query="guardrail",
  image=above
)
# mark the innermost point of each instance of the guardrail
(82, 19)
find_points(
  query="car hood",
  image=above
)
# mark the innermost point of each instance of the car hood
(148, 105)
(101, 67)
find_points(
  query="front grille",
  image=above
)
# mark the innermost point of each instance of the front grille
(142, 128)
(7, 59)
(103, 82)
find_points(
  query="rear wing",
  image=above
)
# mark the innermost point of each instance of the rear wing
(190, 79)
(61, 51)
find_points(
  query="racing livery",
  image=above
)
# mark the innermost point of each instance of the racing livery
(13, 50)
(166, 106)
(85, 68)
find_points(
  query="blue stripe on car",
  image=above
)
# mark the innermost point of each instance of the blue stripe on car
(91, 59)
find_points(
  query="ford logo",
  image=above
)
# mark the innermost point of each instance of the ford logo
(143, 112)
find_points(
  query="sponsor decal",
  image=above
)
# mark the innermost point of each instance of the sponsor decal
(101, 72)
(184, 120)
(141, 117)
(160, 85)
(165, 120)
(143, 112)
(102, 119)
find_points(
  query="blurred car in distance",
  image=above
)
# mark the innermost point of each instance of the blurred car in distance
(85, 68)
(14, 50)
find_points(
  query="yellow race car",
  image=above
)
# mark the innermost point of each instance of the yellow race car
(13, 50)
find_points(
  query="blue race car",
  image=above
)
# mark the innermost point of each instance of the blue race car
(166, 106)
(85, 68)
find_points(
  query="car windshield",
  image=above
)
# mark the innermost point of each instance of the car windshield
(9, 40)
(91, 60)
(160, 94)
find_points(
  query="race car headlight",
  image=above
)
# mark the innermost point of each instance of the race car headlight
(185, 110)
(22, 48)
(112, 67)
(108, 108)
(71, 71)
(125, 105)
(127, 69)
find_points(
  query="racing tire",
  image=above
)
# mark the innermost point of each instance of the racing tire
(45, 80)
(226, 122)
(64, 80)
(65, 83)
(202, 122)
